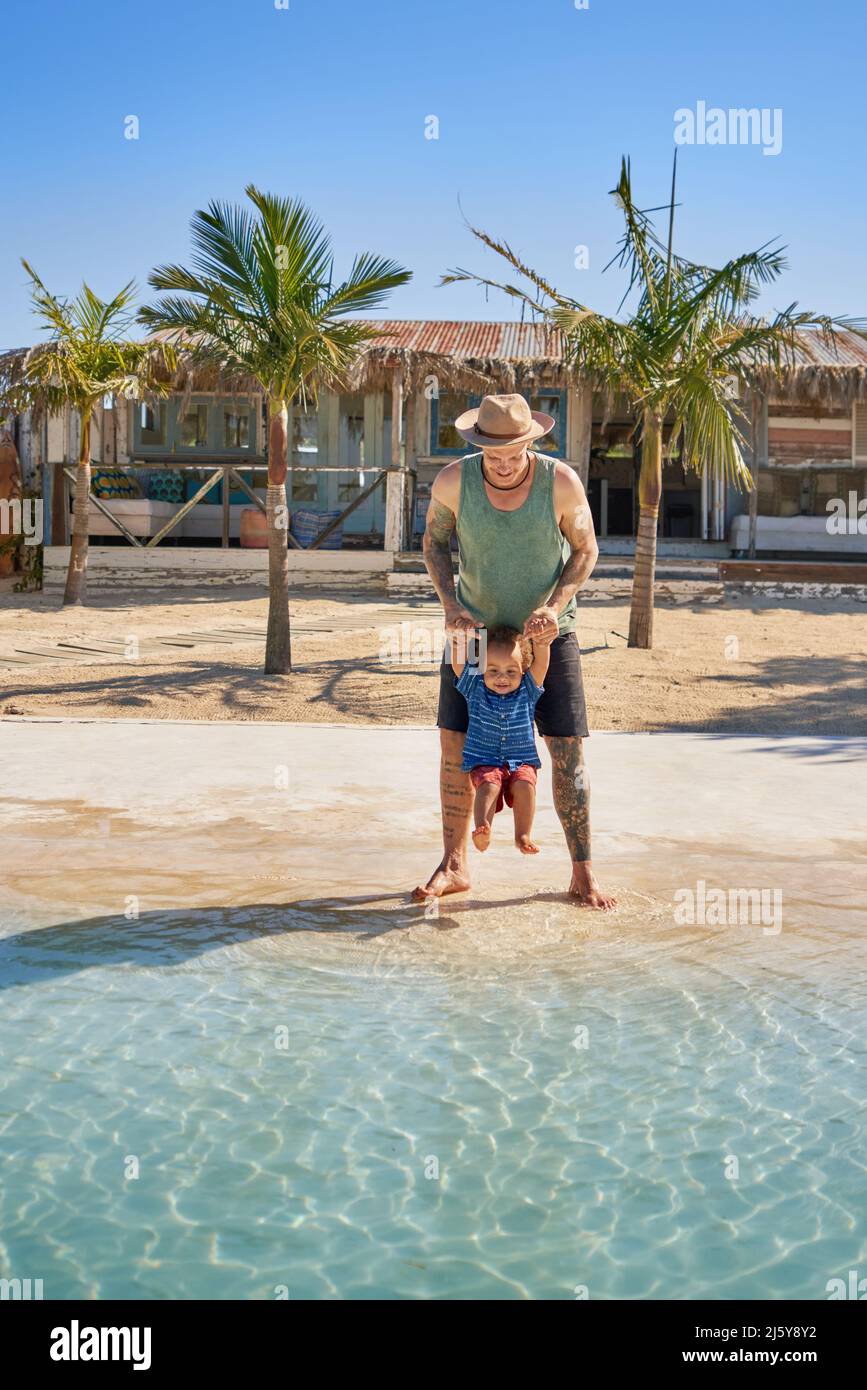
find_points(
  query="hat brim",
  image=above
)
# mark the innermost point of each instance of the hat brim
(466, 427)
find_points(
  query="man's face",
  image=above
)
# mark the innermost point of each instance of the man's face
(507, 463)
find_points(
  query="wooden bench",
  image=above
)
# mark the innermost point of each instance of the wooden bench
(791, 572)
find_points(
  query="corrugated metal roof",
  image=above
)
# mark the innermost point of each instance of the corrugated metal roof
(850, 349)
(475, 339)
(466, 338)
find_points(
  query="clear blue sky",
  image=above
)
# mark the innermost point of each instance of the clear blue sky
(327, 100)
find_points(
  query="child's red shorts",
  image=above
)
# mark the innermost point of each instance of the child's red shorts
(504, 778)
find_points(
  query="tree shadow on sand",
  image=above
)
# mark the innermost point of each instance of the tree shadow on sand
(832, 703)
(361, 689)
(136, 689)
(124, 600)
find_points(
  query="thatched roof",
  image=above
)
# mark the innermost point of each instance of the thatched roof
(11, 369)
(374, 370)
(188, 376)
(474, 356)
(822, 371)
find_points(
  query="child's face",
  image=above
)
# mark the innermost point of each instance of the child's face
(503, 669)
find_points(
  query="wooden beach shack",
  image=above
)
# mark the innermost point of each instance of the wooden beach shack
(362, 462)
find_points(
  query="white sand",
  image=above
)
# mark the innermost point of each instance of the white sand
(338, 823)
(736, 665)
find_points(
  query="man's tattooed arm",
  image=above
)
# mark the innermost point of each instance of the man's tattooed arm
(576, 525)
(436, 548)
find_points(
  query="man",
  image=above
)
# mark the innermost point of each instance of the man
(526, 545)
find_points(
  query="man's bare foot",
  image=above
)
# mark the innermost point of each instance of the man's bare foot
(482, 836)
(585, 888)
(525, 844)
(442, 881)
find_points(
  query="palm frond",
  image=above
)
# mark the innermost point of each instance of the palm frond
(260, 298)
(87, 355)
(370, 281)
(712, 438)
(639, 251)
(688, 330)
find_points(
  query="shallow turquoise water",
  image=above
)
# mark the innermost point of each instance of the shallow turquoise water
(303, 1159)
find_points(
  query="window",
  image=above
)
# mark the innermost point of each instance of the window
(152, 425)
(767, 493)
(552, 403)
(194, 428)
(236, 429)
(347, 491)
(781, 494)
(859, 433)
(826, 486)
(352, 448)
(207, 424)
(446, 407)
(304, 486)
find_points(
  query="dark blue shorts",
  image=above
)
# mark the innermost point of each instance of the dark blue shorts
(560, 713)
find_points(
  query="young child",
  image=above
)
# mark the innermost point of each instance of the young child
(500, 749)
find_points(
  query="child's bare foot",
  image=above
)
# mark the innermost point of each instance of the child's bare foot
(482, 836)
(525, 844)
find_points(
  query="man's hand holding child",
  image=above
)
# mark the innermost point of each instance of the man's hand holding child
(458, 619)
(542, 625)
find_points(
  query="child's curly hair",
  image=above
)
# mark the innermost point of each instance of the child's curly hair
(507, 637)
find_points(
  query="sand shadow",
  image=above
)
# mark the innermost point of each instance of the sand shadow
(231, 688)
(832, 703)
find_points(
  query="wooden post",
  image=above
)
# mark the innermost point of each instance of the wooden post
(409, 465)
(109, 434)
(580, 430)
(396, 485)
(72, 436)
(56, 456)
(226, 512)
(43, 477)
(718, 509)
(331, 440)
(760, 455)
(705, 504)
(123, 434)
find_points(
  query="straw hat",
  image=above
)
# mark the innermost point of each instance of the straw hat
(502, 420)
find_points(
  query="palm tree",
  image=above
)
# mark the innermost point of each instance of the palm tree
(87, 358)
(691, 331)
(260, 303)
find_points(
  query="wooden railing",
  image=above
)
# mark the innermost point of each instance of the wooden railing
(228, 472)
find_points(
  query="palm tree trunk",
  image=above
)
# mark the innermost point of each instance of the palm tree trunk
(649, 494)
(278, 649)
(76, 575)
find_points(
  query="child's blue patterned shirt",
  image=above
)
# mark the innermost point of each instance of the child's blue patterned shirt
(501, 726)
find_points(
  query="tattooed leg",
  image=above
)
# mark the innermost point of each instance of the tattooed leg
(456, 797)
(571, 788)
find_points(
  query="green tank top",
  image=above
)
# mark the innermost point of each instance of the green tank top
(509, 562)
